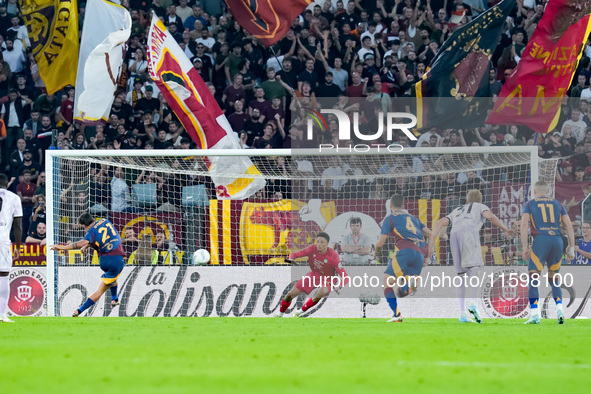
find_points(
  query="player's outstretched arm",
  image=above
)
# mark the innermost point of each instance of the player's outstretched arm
(497, 222)
(83, 243)
(571, 236)
(441, 223)
(524, 232)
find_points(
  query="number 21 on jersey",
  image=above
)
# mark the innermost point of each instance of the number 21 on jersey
(104, 231)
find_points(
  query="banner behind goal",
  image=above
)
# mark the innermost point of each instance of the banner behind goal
(165, 207)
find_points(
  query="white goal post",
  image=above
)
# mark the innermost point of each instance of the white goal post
(170, 209)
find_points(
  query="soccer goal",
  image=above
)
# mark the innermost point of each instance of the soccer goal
(166, 206)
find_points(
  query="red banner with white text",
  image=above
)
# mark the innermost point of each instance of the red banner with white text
(533, 94)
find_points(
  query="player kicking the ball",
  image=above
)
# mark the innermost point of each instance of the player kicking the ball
(407, 259)
(545, 215)
(466, 251)
(101, 236)
(324, 264)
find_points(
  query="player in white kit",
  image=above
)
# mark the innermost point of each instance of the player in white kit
(11, 215)
(466, 250)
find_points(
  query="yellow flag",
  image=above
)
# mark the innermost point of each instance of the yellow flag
(53, 31)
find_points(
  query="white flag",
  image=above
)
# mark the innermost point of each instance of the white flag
(107, 28)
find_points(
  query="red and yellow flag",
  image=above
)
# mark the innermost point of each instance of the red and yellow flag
(533, 94)
(267, 20)
(187, 95)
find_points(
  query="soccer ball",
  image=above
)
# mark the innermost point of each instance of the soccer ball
(201, 257)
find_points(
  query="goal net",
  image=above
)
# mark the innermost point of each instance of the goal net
(164, 205)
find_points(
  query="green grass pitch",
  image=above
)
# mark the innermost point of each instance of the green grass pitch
(265, 355)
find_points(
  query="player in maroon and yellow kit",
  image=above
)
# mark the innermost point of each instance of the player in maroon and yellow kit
(324, 264)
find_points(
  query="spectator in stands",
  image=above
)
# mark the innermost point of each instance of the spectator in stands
(259, 102)
(273, 87)
(233, 93)
(26, 190)
(14, 56)
(328, 88)
(137, 67)
(123, 110)
(161, 244)
(39, 214)
(275, 109)
(65, 116)
(135, 94)
(37, 236)
(120, 195)
(234, 58)
(14, 113)
(254, 126)
(47, 104)
(148, 103)
(308, 75)
(28, 165)
(160, 142)
(100, 197)
(16, 158)
(576, 124)
(5, 77)
(41, 184)
(242, 140)
(269, 139)
(356, 246)
(129, 241)
(34, 122)
(239, 118)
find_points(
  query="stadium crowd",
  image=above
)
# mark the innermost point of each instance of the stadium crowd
(363, 54)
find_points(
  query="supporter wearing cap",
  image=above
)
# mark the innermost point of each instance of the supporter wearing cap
(199, 66)
(29, 165)
(328, 88)
(149, 103)
(370, 67)
(137, 93)
(551, 145)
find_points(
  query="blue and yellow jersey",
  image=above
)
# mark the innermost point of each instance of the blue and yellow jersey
(104, 238)
(407, 231)
(545, 213)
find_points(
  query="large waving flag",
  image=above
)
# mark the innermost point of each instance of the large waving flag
(447, 95)
(533, 94)
(53, 31)
(190, 99)
(267, 20)
(101, 55)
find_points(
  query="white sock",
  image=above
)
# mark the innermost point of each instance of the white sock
(4, 292)
(559, 307)
(535, 311)
(461, 291)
